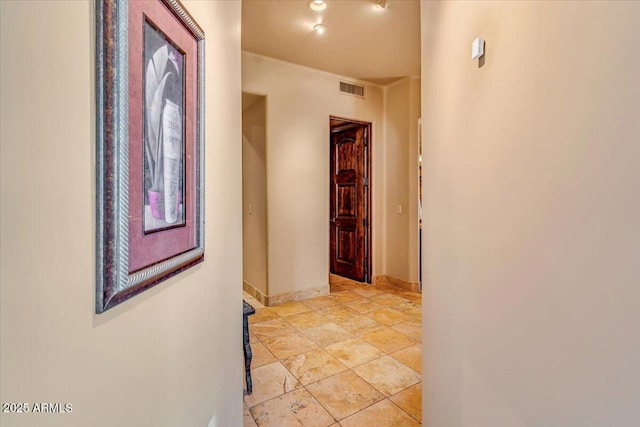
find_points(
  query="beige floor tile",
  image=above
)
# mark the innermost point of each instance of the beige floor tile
(389, 299)
(344, 297)
(410, 401)
(272, 328)
(312, 344)
(320, 302)
(410, 356)
(368, 291)
(409, 308)
(412, 329)
(397, 290)
(364, 305)
(359, 325)
(388, 375)
(307, 320)
(411, 296)
(382, 414)
(388, 316)
(313, 366)
(344, 394)
(294, 409)
(388, 340)
(326, 334)
(289, 345)
(247, 418)
(354, 352)
(263, 315)
(251, 300)
(334, 287)
(334, 278)
(390, 289)
(290, 308)
(350, 284)
(416, 299)
(270, 381)
(338, 312)
(261, 355)
(252, 337)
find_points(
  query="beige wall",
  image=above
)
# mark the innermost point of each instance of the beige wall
(532, 210)
(415, 95)
(402, 110)
(299, 103)
(254, 194)
(169, 357)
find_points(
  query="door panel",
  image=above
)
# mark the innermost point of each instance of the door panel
(346, 201)
(348, 206)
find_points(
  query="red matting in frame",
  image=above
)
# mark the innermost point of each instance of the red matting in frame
(148, 249)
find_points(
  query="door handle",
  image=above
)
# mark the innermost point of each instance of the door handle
(333, 220)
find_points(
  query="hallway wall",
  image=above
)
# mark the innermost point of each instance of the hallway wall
(532, 214)
(171, 356)
(254, 194)
(299, 103)
(402, 110)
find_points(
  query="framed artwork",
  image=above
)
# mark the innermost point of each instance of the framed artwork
(149, 146)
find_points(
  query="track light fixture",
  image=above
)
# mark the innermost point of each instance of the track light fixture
(317, 5)
(320, 28)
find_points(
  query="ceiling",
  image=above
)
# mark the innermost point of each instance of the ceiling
(361, 41)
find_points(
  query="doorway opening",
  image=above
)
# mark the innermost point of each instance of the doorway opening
(254, 197)
(350, 199)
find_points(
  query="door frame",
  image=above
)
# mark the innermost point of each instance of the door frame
(333, 128)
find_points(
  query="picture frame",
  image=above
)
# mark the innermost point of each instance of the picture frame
(149, 146)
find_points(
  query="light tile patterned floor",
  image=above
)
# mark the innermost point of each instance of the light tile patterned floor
(352, 358)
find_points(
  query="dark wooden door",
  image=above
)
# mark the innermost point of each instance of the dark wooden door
(349, 205)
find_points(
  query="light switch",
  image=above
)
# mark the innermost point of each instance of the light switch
(399, 209)
(250, 209)
(477, 48)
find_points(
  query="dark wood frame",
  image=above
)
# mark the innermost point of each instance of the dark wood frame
(115, 283)
(368, 208)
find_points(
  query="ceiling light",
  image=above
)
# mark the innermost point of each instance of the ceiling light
(382, 4)
(320, 28)
(318, 5)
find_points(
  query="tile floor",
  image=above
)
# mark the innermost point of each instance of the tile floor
(349, 359)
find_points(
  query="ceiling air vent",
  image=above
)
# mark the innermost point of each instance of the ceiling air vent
(352, 89)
